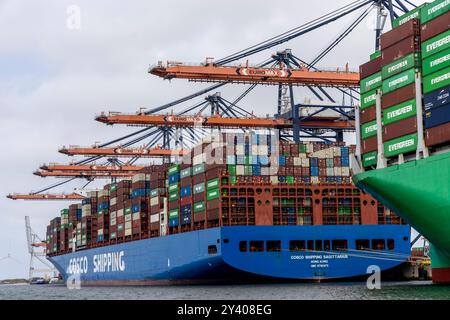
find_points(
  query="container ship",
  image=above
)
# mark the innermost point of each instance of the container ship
(237, 207)
(404, 121)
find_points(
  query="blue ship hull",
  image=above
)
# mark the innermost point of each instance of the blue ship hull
(217, 254)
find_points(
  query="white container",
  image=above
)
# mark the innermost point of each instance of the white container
(100, 232)
(255, 150)
(337, 152)
(240, 150)
(345, 171)
(305, 162)
(112, 222)
(240, 171)
(120, 213)
(265, 171)
(337, 171)
(315, 180)
(113, 214)
(128, 225)
(136, 216)
(330, 172)
(274, 179)
(154, 201)
(113, 201)
(263, 150)
(138, 177)
(297, 162)
(128, 217)
(154, 218)
(128, 232)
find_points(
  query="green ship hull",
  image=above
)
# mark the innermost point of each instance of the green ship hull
(419, 192)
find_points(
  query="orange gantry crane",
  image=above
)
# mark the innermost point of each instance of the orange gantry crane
(273, 76)
(93, 168)
(218, 121)
(84, 174)
(121, 152)
(73, 196)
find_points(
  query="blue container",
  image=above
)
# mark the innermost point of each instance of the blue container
(100, 238)
(186, 191)
(345, 161)
(339, 179)
(314, 171)
(79, 214)
(187, 209)
(103, 206)
(314, 162)
(345, 151)
(174, 178)
(86, 201)
(240, 160)
(437, 116)
(282, 161)
(437, 98)
(256, 170)
(263, 160)
(282, 179)
(185, 219)
(173, 222)
(138, 193)
(307, 180)
(138, 208)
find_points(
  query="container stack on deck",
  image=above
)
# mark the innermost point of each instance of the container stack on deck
(418, 45)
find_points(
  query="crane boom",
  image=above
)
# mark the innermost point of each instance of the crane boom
(218, 121)
(69, 197)
(84, 174)
(122, 152)
(269, 76)
(87, 168)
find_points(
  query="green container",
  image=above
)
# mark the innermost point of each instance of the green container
(290, 180)
(232, 170)
(173, 214)
(233, 180)
(199, 188)
(302, 148)
(413, 14)
(375, 55)
(400, 145)
(200, 168)
(369, 159)
(212, 184)
(399, 112)
(186, 173)
(371, 83)
(174, 169)
(248, 170)
(400, 65)
(440, 60)
(199, 206)
(434, 9)
(436, 80)
(248, 160)
(368, 99)
(434, 45)
(128, 211)
(173, 188)
(65, 211)
(369, 129)
(173, 196)
(212, 194)
(113, 187)
(399, 81)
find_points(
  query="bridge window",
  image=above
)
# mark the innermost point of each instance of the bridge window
(318, 245)
(390, 244)
(326, 245)
(340, 245)
(212, 249)
(273, 246)
(256, 246)
(310, 245)
(243, 246)
(363, 244)
(378, 244)
(297, 245)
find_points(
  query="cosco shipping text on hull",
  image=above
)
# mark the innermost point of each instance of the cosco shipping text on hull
(233, 253)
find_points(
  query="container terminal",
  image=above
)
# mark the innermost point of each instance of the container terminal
(284, 197)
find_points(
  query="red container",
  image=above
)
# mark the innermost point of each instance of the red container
(174, 205)
(213, 204)
(199, 197)
(199, 217)
(121, 220)
(438, 135)
(322, 163)
(398, 96)
(186, 182)
(400, 50)
(213, 214)
(435, 26)
(305, 172)
(322, 172)
(406, 30)
(369, 145)
(185, 201)
(154, 226)
(400, 128)
(370, 68)
(198, 178)
(368, 114)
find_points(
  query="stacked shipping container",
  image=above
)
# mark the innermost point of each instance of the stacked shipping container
(393, 74)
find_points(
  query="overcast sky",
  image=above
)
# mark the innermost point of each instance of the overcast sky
(55, 79)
